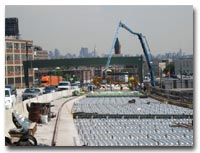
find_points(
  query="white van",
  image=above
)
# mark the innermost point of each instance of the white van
(9, 99)
(64, 85)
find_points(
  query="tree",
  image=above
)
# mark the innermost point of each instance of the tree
(169, 69)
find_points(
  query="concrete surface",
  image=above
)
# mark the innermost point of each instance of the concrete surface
(67, 135)
(44, 133)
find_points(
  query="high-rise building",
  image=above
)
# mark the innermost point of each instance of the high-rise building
(57, 53)
(50, 54)
(94, 52)
(84, 52)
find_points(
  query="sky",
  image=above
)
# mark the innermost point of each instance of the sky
(168, 28)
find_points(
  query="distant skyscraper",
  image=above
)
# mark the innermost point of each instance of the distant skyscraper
(56, 53)
(50, 54)
(94, 52)
(84, 52)
(117, 47)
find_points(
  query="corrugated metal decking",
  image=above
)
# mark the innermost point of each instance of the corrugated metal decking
(120, 105)
(132, 131)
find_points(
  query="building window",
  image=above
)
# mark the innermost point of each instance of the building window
(10, 80)
(9, 57)
(17, 56)
(23, 57)
(9, 45)
(17, 68)
(16, 46)
(30, 57)
(23, 46)
(10, 69)
(18, 80)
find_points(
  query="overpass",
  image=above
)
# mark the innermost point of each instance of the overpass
(75, 62)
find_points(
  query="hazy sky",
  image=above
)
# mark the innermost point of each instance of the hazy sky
(68, 28)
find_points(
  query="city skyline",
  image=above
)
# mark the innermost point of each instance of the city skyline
(93, 53)
(68, 28)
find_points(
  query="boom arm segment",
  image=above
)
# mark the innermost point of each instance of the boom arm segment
(144, 45)
(113, 45)
(146, 50)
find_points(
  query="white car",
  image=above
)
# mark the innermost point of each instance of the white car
(9, 99)
(64, 85)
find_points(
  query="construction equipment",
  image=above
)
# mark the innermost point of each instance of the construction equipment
(144, 45)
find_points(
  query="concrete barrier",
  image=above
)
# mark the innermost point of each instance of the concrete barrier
(45, 98)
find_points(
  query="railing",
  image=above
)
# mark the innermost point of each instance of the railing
(182, 95)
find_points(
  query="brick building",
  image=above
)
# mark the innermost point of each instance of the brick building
(17, 51)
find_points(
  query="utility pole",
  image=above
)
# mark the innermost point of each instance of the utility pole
(26, 73)
(57, 69)
(27, 78)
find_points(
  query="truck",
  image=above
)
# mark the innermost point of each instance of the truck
(47, 80)
(9, 98)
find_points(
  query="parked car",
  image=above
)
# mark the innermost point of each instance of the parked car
(84, 86)
(10, 99)
(75, 86)
(30, 93)
(49, 89)
(12, 89)
(64, 85)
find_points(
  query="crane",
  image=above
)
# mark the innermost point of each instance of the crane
(144, 45)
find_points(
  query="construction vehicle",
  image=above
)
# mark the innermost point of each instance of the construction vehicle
(47, 80)
(145, 48)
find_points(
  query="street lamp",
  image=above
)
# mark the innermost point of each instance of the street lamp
(57, 68)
